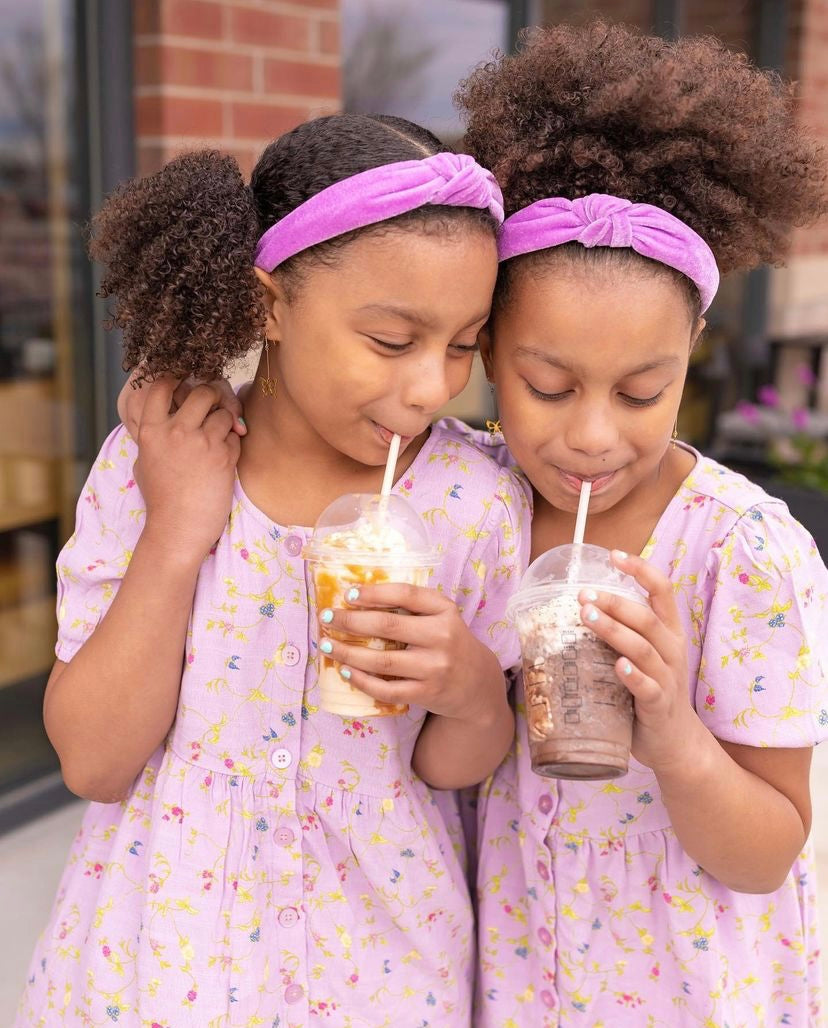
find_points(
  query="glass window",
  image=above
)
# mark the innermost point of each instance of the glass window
(42, 290)
(406, 57)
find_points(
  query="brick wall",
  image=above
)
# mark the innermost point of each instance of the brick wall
(230, 73)
(809, 68)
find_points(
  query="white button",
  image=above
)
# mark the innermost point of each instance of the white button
(281, 758)
(288, 917)
(290, 655)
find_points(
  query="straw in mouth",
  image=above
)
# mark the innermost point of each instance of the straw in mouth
(391, 465)
(580, 518)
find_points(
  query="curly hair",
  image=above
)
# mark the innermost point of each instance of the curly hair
(685, 125)
(178, 245)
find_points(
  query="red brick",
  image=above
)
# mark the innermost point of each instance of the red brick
(147, 70)
(264, 121)
(301, 78)
(146, 17)
(267, 29)
(329, 37)
(150, 158)
(202, 18)
(328, 5)
(188, 66)
(176, 116)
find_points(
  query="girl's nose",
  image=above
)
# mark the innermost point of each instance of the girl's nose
(428, 388)
(592, 431)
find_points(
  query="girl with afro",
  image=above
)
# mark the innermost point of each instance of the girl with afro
(634, 171)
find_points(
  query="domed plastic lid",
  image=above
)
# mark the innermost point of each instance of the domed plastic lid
(569, 569)
(372, 529)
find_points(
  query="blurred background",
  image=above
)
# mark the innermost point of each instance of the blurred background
(95, 91)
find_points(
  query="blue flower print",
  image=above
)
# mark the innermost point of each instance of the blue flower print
(289, 719)
(305, 713)
(755, 515)
(386, 966)
(645, 797)
(454, 492)
(261, 824)
(268, 609)
(626, 818)
(273, 735)
(432, 1002)
(823, 716)
(756, 687)
(232, 994)
(700, 943)
(407, 853)
(777, 621)
(113, 1012)
(760, 543)
(596, 924)
(256, 934)
(233, 665)
(133, 849)
(274, 532)
(522, 952)
(395, 876)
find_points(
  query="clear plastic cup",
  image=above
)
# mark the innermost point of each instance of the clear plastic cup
(579, 715)
(363, 539)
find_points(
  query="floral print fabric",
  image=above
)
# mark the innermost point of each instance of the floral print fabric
(274, 864)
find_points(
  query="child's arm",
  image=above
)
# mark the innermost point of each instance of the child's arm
(742, 812)
(112, 704)
(443, 668)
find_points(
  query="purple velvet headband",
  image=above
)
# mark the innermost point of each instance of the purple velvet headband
(446, 179)
(601, 220)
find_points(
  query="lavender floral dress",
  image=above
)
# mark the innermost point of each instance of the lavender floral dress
(274, 864)
(590, 911)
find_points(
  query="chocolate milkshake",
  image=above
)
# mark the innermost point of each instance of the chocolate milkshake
(579, 715)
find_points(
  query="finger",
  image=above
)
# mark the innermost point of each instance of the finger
(418, 599)
(396, 693)
(640, 617)
(218, 424)
(390, 663)
(199, 402)
(625, 641)
(645, 690)
(378, 624)
(159, 398)
(657, 584)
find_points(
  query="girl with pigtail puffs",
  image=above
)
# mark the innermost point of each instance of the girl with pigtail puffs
(634, 171)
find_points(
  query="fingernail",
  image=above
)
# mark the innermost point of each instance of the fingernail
(352, 595)
(627, 668)
(592, 615)
(620, 554)
(242, 422)
(326, 617)
(345, 673)
(591, 595)
(326, 646)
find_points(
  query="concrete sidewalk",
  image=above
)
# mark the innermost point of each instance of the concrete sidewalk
(32, 858)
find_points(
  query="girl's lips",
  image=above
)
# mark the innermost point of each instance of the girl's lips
(385, 434)
(574, 482)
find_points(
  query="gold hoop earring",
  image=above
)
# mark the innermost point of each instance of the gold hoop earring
(267, 383)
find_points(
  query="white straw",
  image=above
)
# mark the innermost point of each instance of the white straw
(390, 465)
(580, 520)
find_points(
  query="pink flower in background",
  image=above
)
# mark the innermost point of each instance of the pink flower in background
(800, 419)
(748, 411)
(805, 375)
(769, 396)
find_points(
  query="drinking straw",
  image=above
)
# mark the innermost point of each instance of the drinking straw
(580, 519)
(390, 465)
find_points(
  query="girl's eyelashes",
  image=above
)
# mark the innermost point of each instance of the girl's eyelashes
(637, 401)
(546, 396)
(631, 401)
(401, 347)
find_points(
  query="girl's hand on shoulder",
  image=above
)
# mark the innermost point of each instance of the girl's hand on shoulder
(440, 666)
(132, 400)
(186, 467)
(652, 662)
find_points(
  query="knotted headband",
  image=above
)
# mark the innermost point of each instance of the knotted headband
(602, 220)
(445, 179)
